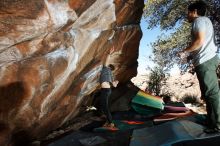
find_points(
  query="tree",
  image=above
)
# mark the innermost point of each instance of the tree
(157, 79)
(169, 14)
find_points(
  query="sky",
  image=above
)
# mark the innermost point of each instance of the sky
(145, 50)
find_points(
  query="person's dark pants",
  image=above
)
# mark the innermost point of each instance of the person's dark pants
(104, 103)
(208, 81)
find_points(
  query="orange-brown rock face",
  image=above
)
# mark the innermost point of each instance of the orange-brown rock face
(51, 53)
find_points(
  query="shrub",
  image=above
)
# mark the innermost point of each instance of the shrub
(190, 99)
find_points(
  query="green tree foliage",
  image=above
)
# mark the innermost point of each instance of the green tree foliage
(171, 14)
(214, 11)
(157, 78)
(166, 47)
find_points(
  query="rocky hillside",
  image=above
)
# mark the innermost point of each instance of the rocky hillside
(181, 86)
(177, 85)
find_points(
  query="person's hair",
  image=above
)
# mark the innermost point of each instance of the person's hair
(111, 67)
(200, 6)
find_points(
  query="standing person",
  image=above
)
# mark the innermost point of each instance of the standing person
(205, 60)
(107, 81)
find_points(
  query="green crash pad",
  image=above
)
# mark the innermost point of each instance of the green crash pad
(147, 104)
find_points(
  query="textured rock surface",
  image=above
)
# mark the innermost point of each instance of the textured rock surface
(51, 53)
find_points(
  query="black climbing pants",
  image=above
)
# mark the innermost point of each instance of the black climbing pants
(105, 103)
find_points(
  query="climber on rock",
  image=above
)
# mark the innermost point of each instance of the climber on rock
(107, 81)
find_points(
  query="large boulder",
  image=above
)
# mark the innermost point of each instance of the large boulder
(51, 54)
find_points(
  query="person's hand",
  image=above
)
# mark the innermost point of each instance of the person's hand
(182, 55)
(115, 83)
(112, 50)
(191, 69)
